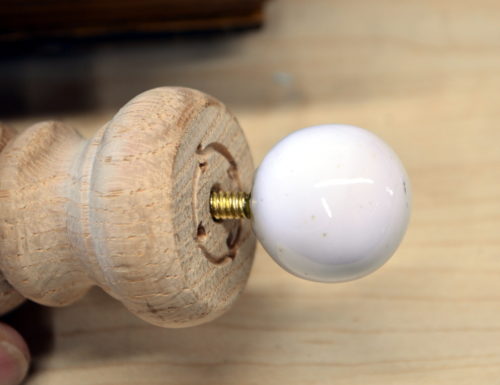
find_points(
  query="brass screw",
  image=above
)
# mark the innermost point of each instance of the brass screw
(229, 205)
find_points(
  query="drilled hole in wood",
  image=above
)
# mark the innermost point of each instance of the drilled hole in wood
(232, 171)
(201, 233)
(233, 237)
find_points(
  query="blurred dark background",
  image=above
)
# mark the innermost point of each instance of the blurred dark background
(48, 49)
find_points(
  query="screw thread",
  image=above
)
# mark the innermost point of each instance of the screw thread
(229, 205)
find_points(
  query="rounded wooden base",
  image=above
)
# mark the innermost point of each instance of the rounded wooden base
(128, 209)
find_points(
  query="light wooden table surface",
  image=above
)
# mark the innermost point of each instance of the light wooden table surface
(425, 76)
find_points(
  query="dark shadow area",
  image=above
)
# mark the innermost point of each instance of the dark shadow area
(104, 331)
(51, 77)
(34, 323)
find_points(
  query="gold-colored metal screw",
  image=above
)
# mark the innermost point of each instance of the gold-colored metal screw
(229, 205)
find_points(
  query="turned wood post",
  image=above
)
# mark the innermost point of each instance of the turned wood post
(127, 210)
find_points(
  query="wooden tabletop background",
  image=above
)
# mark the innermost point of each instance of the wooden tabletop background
(425, 76)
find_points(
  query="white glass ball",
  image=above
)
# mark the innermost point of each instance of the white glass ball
(330, 203)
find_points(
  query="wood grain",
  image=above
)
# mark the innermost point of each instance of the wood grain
(425, 76)
(9, 297)
(127, 210)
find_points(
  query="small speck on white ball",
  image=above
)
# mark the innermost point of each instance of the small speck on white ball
(331, 203)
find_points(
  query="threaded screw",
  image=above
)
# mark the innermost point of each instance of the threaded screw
(229, 205)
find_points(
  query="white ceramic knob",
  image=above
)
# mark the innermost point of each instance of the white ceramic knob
(330, 203)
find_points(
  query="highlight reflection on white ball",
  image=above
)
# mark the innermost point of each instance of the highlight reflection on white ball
(330, 203)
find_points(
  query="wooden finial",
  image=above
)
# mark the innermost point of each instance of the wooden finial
(128, 210)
